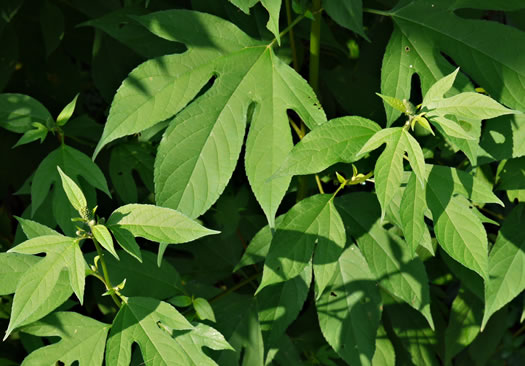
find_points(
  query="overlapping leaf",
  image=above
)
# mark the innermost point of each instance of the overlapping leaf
(458, 230)
(506, 264)
(388, 170)
(83, 339)
(164, 335)
(349, 309)
(313, 223)
(339, 140)
(201, 147)
(348, 14)
(279, 305)
(18, 112)
(388, 257)
(155, 223)
(74, 163)
(33, 293)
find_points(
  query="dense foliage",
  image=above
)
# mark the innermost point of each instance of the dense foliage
(245, 182)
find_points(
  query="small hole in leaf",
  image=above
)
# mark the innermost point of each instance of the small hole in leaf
(407, 49)
(333, 294)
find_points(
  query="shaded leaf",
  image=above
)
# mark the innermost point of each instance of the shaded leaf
(349, 309)
(83, 339)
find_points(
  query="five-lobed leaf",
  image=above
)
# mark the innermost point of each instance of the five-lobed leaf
(83, 339)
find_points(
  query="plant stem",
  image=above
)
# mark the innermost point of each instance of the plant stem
(315, 46)
(292, 38)
(319, 184)
(287, 29)
(107, 281)
(377, 12)
(235, 287)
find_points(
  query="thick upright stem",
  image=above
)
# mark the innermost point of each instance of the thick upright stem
(291, 35)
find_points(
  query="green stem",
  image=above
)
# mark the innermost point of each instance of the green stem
(235, 287)
(377, 12)
(287, 29)
(107, 281)
(315, 46)
(292, 38)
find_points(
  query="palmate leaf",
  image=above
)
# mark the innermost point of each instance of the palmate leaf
(272, 6)
(388, 257)
(349, 309)
(32, 297)
(18, 112)
(155, 223)
(312, 224)
(506, 264)
(12, 268)
(339, 140)
(412, 213)
(164, 335)
(388, 171)
(83, 339)
(200, 149)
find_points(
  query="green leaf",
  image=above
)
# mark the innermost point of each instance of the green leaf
(244, 5)
(415, 336)
(203, 309)
(12, 268)
(74, 163)
(348, 14)
(103, 236)
(127, 241)
(339, 140)
(468, 105)
(274, 8)
(126, 159)
(67, 112)
(388, 257)
(18, 112)
(259, 246)
(160, 94)
(313, 223)
(33, 229)
(384, 354)
(412, 211)
(506, 264)
(36, 285)
(156, 223)
(388, 170)
(458, 230)
(450, 127)
(38, 133)
(349, 310)
(279, 305)
(501, 138)
(82, 339)
(163, 282)
(154, 326)
(490, 44)
(118, 25)
(512, 175)
(464, 323)
(74, 194)
(437, 91)
(52, 26)
(394, 103)
(212, 127)
(406, 54)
